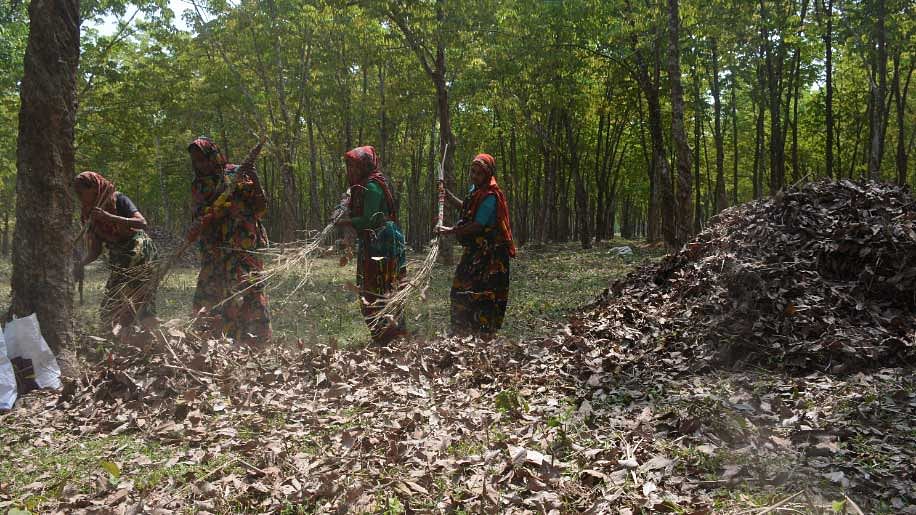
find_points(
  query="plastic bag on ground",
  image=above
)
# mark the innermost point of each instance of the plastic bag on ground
(24, 340)
(8, 392)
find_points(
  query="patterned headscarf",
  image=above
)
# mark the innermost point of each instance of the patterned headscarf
(206, 187)
(104, 198)
(366, 161)
(487, 164)
(210, 149)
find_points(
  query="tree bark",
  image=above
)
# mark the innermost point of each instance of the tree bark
(901, 97)
(581, 195)
(721, 199)
(773, 64)
(41, 281)
(679, 135)
(698, 113)
(828, 45)
(878, 94)
(734, 89)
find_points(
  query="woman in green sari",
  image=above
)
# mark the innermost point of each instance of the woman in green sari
(381, 253)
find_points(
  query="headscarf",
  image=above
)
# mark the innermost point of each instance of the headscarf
(206, 187)
(486, 163)
(210, 149)
(366, 161)
(105, 198)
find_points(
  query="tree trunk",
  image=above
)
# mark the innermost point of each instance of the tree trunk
(901, 97)
(5, 241)
(759, 137)
(684, 215)
(828, 45)
(774, 65)
(581, 195)
(697, 133)
(41, 280)
(721, 199)
(382, 116)
(654, 215)
(315, 221)
(878, 94)
(734, 139)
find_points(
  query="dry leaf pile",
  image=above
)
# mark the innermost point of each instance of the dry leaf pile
(817, 278)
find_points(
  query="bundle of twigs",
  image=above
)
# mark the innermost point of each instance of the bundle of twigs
(297, 258)
(392, 306)
(153, 273)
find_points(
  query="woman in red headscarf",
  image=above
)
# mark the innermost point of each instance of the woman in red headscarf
(480, 289)
(381, 252)
(115, 223)
(228, 208)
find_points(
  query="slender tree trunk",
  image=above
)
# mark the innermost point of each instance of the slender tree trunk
(650, 89)
(878, 94)
(315, 220)
(581, 195)
(601, 185)
(901, 97)
(679, 135)
(382, 115)
(774, 65)
(721, 200)
(828, 44)
(758, 152)
(734, 139)
(163, 191)
(697, 133)
(5, 241)
(41, 279)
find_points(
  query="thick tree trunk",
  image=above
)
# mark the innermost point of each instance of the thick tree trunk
(679, 134)
(41, 280)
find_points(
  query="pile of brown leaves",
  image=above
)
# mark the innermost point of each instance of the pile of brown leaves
(817, 278)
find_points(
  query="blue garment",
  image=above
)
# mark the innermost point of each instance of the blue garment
(486, 213)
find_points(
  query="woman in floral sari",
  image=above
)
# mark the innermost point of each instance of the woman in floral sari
(381, 258)
(480, 289)
(228, 208)
(115, 223)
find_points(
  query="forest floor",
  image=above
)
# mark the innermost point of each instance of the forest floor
(537, 421)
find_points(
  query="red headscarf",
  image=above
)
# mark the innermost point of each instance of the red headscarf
(486, 163)
(366, 161)
(104, 198)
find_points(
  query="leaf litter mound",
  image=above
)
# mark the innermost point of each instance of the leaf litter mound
(817, 278)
